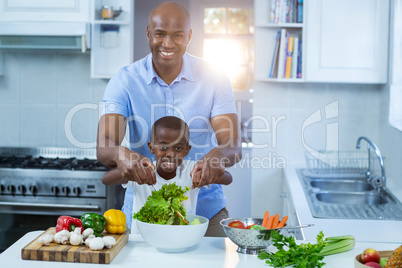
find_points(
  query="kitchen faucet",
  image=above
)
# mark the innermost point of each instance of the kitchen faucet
(378, 181)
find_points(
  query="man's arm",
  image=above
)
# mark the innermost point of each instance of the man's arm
(132, 166)
(212, 165)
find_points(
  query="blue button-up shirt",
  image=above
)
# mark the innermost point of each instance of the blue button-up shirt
(199, 93)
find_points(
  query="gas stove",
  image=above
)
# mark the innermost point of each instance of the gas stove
(40, 162)
(52, 181)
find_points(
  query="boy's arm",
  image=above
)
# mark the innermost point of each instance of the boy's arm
(113, 177)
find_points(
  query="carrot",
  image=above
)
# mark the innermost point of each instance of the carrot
(269, 222)
(266, 217)
(282, 222)
(275, 222)
(181, 216)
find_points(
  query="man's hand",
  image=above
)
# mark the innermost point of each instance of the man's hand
(207, 171)
(211, 168)
(135, 167)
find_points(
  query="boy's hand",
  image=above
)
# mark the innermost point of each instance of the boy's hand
(135, 167)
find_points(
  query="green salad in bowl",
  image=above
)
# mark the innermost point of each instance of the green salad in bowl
(165, 206)
(163, 221)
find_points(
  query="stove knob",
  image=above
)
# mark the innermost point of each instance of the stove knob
(2, 188)
(55, 190)
(65, 190)
(77, 191)
(11, 189)
(33, 189)
(22, 189)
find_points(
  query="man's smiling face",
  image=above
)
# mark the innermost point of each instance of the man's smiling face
(168, 34)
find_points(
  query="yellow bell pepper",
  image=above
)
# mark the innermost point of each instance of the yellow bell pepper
(115, 221)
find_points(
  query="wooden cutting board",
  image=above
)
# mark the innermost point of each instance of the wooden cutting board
(68, 253)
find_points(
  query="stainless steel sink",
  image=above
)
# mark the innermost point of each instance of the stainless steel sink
(350, 198)
(347, 196)
(341, 185)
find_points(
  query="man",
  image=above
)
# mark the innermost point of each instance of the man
(170, 82)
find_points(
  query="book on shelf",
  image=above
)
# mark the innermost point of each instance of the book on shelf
(286, 11)
(289, 56)
(282, 54)
(299, 65)
(295, 57)
(273, 73)
(272, 12)
(299, 11)
(277, 10)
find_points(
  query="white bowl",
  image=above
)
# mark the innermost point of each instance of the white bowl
(173, 238)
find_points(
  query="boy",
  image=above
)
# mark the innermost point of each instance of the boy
(170, 144)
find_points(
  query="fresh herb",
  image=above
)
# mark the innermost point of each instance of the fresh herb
(162, 206)
(289, 253)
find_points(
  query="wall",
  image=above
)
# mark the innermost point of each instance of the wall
(390, 144)
(358, 115)
(36, 93)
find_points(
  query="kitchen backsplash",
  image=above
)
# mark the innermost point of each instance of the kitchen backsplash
(37, 92)
(306, 115)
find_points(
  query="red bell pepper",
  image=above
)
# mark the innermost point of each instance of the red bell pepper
(68, 223)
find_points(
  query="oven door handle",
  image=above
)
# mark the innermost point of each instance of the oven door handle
(45, 205)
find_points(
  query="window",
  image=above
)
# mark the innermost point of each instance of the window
(228, 42)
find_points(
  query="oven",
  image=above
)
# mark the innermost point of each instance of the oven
(37, 185)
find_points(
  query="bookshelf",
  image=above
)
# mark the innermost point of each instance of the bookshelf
(353, 49)
(265, 39)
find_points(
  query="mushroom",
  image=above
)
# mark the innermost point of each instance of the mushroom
(45, 239)
(87, 232)
(109, 241)
(96, 243)
(62, 237)
(89, 238)
(76, 239)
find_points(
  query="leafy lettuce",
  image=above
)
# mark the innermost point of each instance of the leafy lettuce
(162, 205)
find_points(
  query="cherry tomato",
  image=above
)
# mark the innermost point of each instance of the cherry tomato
(249, 226)
(237, 224)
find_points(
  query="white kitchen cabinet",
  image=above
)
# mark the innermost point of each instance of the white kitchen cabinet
(265, 36)
(45, 10)
(238, 193)
(347, 41)
(342, 41)
(112, 41)
(288, 207)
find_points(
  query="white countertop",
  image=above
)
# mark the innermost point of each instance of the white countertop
(221, 252)
(209, 253)
(362, 230)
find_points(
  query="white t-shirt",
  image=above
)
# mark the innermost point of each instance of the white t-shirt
(183, 178)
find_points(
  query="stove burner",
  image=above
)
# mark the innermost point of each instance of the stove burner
(28, 161)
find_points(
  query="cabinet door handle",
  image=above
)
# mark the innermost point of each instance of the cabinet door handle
(284, 195)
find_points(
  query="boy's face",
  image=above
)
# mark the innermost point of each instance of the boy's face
(170, 146)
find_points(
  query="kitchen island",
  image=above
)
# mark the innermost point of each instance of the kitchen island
(209, 253)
